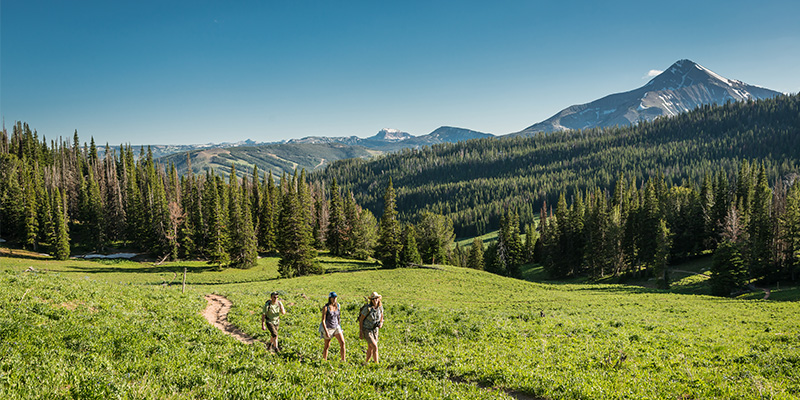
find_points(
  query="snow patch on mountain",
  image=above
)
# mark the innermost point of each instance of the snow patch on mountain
(682, 87)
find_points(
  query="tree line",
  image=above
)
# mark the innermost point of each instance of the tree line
(636, 230)
(61, 197)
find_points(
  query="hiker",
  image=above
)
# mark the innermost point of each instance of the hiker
(270, 317)
(330, 326)
(369, 322)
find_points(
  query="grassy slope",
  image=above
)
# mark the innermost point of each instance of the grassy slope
(278, 158)
(83, 333)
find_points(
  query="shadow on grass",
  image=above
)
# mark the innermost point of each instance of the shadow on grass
(628, 289)
(24, 256)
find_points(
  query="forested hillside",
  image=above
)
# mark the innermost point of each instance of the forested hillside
(473, 182)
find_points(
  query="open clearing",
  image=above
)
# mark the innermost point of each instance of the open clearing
(103, 329)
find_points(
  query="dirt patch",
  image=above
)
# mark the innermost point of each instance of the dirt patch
(216, 312)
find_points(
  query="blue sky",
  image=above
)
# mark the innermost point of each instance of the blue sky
(181, 72)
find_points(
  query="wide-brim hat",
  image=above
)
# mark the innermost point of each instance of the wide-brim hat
(375, 295)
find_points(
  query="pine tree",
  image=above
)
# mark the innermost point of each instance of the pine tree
(790, 230)
(389, 245)
(93, 213)
(187, 232)
(243, 244)
(268, 216)
(410, 253)
(30, 202)
(320, 217)
(728, 272)
(661, 255)
(531, 238)
(435, 237)
(760, 230)
(61, 245)
(475, 260)
(294, 239)
(217, 250)
(338, 230)
(362, 229)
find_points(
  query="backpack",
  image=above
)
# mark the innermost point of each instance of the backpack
(361, 311)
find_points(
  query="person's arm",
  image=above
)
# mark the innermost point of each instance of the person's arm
(283, 310)
(263, 320)
(361, 325)
(324, 328)
(380, 324)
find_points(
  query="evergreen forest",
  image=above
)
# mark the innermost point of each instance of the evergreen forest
(622, 201)
(473, 182)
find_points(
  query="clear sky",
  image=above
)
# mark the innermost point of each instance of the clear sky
(184, 72)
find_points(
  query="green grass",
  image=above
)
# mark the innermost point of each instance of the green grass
(119, 333)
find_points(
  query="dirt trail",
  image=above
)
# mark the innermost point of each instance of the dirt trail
(216, 313)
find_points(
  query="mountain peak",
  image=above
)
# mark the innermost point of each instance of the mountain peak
(682, 87)
(392, 135)
(685, 73)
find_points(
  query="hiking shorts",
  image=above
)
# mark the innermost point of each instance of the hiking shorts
(273, 329)
(371, 335)
(331, 332)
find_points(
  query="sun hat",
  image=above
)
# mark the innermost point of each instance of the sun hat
(274, 294)
(375, 295)
(332, 294)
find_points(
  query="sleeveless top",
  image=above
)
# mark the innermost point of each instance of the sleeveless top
(331, 317)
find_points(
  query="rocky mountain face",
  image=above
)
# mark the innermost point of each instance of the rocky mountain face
(682, 87)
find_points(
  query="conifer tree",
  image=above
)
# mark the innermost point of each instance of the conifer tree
(294, 239)
(760, 229)
(389, 245)
(531, 237)
(93, 213)
(337, 228)
(31, 222)
(267, 219)
(475, 260)
(13, 200)
(187, 233)
(61, 245)
(728, 272)
(435, 237)
(243, 244)
(410, 253)
(362, 228)
(320, 217)
(256, 199)
(790, 230)
(217, 250)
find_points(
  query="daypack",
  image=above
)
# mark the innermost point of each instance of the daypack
(361, 311)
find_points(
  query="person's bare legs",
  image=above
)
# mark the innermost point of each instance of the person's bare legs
(325, 349)
(372, 351)
(274, 341)
(340, 337)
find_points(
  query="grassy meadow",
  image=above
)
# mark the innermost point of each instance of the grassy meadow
(117, 329)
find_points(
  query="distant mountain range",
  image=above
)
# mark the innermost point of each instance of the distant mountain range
(393, 139)
(682, 87)
(311, 153)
